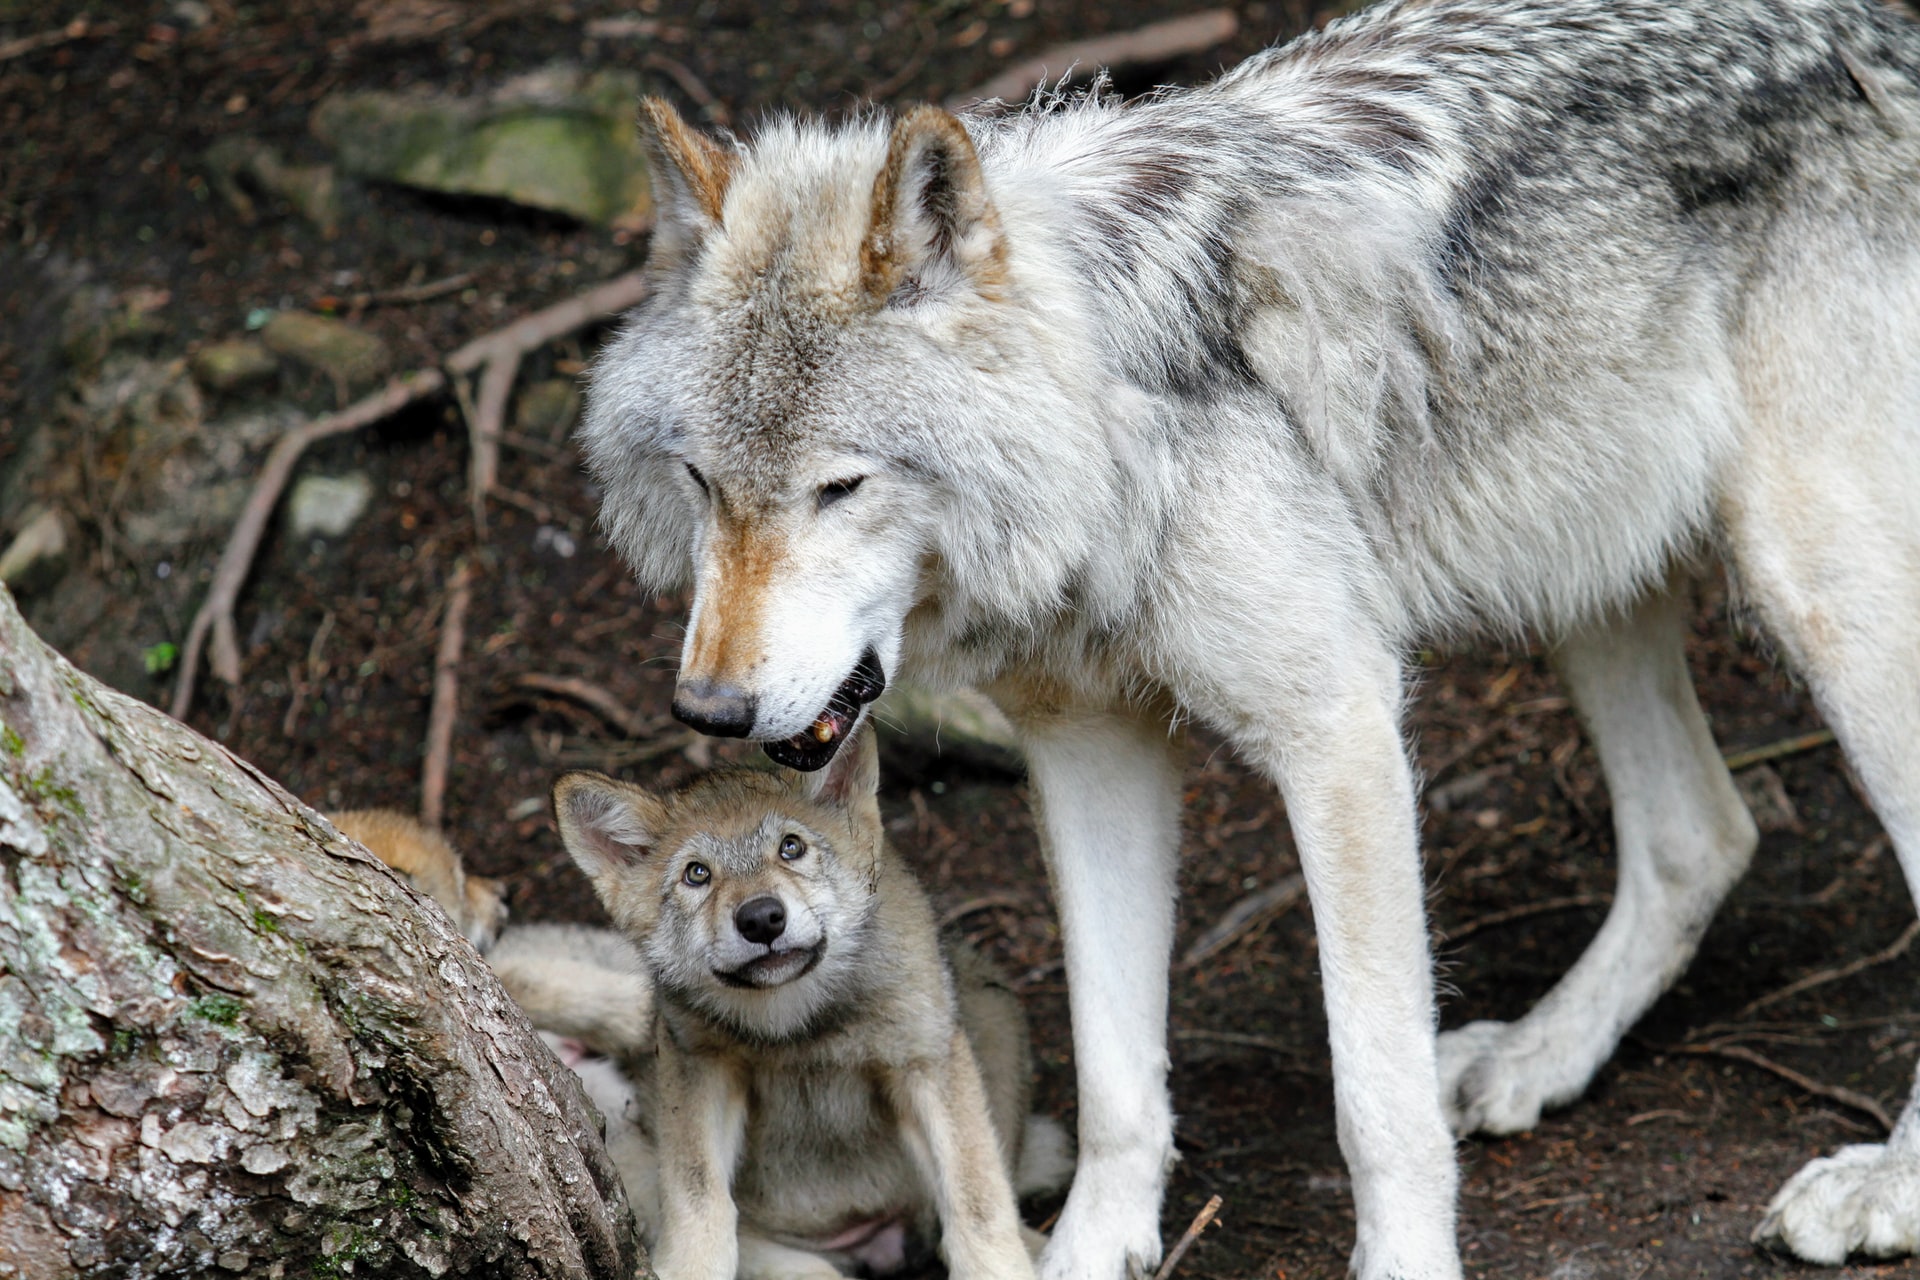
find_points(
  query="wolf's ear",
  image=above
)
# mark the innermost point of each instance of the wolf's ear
(690, 173)
(931, 220)
(851, 780)
(609, 827)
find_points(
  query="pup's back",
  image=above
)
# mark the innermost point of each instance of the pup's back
(432, 866)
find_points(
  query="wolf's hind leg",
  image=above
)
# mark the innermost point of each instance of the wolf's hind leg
(1825, 526)
(1684, 838)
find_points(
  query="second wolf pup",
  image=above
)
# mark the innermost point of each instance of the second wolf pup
(813, 1061)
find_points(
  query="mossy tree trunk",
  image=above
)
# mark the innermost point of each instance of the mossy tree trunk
(232, 1041)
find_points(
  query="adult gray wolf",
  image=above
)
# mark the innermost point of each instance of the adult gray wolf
(825, 1081)
(1458, 317)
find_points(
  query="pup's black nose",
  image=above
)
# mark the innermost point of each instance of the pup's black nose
(760, 919)
(715, 709)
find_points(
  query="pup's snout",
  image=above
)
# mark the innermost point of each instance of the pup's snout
(715, 709)
(760, 919)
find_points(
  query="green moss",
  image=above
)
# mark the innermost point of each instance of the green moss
(42, 786)
(221, 1009)
(263, 921)
(12, 743)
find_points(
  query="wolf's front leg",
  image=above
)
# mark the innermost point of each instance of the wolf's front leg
(1862, 1199)
(1349, 790)
(1108, 791)
(948, 1129)
(702, 1120)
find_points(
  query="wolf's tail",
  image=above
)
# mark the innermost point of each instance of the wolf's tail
(1046, 1157)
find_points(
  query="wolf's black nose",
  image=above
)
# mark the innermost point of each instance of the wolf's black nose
(760, 919)
(718, 710)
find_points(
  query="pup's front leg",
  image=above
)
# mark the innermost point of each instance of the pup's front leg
(702, 1120)
(1108, 791)
(944, 1109)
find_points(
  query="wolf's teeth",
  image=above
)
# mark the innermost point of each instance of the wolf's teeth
(823, 729)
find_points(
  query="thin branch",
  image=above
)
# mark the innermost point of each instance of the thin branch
(1575, 903)
(78, 29)
(446, 697)
(985, 902)
(216, 611)
(1187, 1237)
(1821, 977)
(1244, 916)
(1846, 1097)
(1775, 750)
(1155, 42)
(503, 346)
(691, 85)
(593, 697)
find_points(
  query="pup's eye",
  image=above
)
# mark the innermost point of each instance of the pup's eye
(698, 478)
(838, 489)
(696, 874)
(792, 849)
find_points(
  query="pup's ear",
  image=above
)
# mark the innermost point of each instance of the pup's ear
(609, 827)
(851, 780)
(689, 171)
(931, 222)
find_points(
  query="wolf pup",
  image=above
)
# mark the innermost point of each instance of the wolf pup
(1456, 317)
(432, 866)
(822, 1080)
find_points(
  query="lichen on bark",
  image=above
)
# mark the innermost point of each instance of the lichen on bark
(231, 1040)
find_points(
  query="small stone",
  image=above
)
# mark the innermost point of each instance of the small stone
(335, 348)
(328, 506)
(547, 408)
(38, 556)
(235, 363)
(242, 167)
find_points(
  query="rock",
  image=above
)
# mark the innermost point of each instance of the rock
(328, 505)
(38, 555)
(97, 320)
(547, 408)
(233, 364)
(559, 139)
(311, 190)
(352, 357)
(963, 727)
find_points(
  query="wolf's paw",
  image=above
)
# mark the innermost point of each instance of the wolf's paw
(1491, 1078)
(1862, 1199)
(1109, 1229)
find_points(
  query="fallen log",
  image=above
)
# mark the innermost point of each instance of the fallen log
(231, 1041)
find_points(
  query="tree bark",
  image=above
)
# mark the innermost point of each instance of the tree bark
(232, 1041)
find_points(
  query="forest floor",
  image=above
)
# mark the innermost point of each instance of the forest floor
(1660, 1171)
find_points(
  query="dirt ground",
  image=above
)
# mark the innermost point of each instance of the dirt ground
(1661, 1171)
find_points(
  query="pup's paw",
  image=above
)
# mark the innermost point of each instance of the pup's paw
(1109, 1229)
(1862, 1199)
(1492, 1078)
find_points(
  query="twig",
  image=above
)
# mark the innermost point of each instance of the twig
(1187, 1237)
(691, 85)
(929, 38)
(1774, 750)
(985, 902)
(528, 333)
(216, 611)
(1243, 916)
(412, 294)
(1821, 977)
(1242, 1040)
(1155, 42)
(1508, 916)
(1838, 1093)
(591, 696)
(446, 697)
(78, 29)
(484, 425)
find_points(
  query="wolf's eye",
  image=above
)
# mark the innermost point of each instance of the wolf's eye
(698, 478)
(832, 492)
(792, 849)
(696, 874)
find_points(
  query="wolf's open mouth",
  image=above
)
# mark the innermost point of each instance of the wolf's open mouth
(814, 748)
(774, 969)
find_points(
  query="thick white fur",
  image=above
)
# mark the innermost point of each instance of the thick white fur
(1527, 443)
